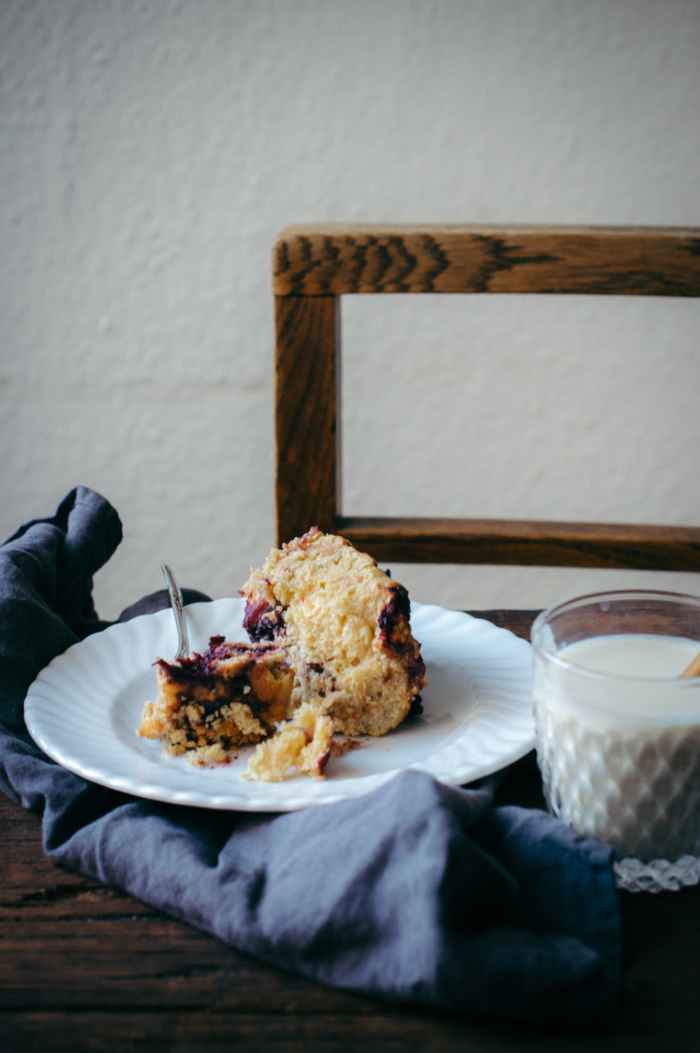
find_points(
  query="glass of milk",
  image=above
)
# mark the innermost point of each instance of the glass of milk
(618, 730)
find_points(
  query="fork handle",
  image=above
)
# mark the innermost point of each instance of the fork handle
(183, 645)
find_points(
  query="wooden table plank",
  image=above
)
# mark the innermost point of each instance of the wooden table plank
(387, 1031)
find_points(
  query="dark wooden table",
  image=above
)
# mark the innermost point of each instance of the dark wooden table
(85, 967)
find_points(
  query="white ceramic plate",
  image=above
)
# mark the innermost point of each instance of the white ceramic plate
(85, 706)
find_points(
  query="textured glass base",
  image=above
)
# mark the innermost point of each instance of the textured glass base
(658, 875)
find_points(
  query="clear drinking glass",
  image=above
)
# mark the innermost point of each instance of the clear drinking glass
(618, 730)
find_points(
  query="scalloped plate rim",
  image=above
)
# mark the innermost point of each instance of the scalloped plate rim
(492, 643)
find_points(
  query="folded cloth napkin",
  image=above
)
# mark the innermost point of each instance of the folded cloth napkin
(417, 892)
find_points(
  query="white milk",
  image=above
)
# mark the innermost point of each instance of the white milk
(633, 654)
(619, 741)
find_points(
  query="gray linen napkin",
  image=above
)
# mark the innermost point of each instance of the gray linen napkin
(415, 893)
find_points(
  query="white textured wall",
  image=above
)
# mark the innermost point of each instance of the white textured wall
(149, 152)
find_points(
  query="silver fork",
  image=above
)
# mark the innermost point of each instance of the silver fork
(183, 643)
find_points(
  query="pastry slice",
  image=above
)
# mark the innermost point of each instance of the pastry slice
(232, 695)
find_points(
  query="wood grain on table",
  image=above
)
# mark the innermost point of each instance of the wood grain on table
(88, 968)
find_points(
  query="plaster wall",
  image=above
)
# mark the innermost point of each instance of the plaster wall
(150, 151)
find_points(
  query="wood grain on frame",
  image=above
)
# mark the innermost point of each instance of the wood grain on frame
(525, 542)
(331, 260)
(313, 265)
(305, 420)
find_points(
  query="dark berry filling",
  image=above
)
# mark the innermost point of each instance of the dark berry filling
(262, 621)
(394, 627)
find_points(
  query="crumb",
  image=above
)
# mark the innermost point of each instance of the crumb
(304, 743)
